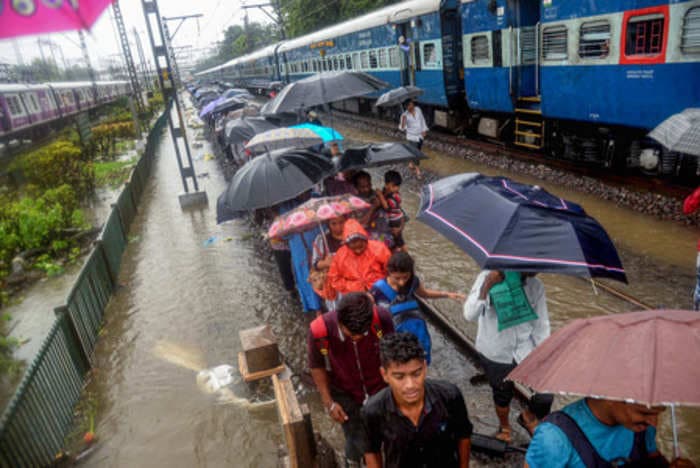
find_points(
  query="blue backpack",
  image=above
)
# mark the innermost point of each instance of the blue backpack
(407, 316)
(638, 457)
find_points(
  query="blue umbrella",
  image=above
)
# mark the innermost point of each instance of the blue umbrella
(505, 225)
(206, 110)
(327, 134)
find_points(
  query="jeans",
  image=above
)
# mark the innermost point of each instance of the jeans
(353, 428)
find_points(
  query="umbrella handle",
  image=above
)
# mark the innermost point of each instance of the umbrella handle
(676, 448)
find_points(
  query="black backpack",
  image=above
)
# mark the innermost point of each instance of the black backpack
(638, 457)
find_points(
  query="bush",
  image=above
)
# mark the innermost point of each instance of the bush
(105, 136)
(57, 164)
(30, 223)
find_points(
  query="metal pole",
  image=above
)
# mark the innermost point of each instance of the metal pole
(168, 83)
(86, 56)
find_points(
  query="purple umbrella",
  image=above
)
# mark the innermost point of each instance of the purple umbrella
(210, 107)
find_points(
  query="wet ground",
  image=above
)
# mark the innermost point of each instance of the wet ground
(189, 286)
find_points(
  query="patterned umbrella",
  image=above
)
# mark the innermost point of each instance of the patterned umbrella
(21, 18)
(279, 138)
(680, 132)
(327, 134)
(314, 212)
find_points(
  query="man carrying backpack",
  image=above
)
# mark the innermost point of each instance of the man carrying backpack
(599, 433)
(343, 350)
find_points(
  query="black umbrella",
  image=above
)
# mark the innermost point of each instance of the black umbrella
(397, 96)
(238, 131)
(228, 104)
(379, 154)
(273, 178)
(505, 225)
(323, 88)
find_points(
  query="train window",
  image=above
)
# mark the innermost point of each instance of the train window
(645, 35)
(430, 59)
(364, 63)
(480, 49)
(33, 104)
(14, 105)
(690, 40)
(356, 61)
(341, 62)
(394, 57)
(381, 58)
(335, 63)
(373, 59)
(594, 39)
(348, 62)
(554, 43)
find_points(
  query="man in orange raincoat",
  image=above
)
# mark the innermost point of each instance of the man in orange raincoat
(359, 263)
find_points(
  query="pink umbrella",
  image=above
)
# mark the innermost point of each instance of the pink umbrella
(645, 357)
(314, 212)
(23, 17)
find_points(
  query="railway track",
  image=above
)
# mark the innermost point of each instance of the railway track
(636, 182)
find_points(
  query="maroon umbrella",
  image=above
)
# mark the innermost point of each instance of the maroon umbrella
(645, 357)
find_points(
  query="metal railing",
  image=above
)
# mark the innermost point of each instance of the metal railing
(37, 418)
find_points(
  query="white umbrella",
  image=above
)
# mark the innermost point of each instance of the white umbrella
(279, 138)
(680, 132)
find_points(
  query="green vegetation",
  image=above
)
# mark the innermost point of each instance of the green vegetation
(305, 16)
(299, 16)
(112, 173)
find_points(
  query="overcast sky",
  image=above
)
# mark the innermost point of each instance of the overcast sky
(102, 40)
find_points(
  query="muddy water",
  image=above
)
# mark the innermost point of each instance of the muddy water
(659, 258)
(183, 300)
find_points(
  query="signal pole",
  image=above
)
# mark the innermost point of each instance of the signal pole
(160, 44)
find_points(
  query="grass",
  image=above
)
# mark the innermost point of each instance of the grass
(112, 173)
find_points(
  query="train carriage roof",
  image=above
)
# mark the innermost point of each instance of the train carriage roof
(396, 13)
(20, 87)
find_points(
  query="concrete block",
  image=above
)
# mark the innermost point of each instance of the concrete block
(193, 199)
(260, 349)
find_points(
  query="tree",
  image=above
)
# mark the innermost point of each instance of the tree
(305, 16)
(236, 43)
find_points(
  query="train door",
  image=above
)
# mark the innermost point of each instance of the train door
(452, 60)
(524, 40)
(407, 52)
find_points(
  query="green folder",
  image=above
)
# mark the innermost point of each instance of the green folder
(510, 301)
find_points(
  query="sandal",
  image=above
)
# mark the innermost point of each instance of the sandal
(527, 426)
(503, 435)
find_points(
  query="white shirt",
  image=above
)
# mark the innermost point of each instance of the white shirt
(514, 343)
(414, 124)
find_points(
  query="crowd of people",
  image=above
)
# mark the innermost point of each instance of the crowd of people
(369, 349)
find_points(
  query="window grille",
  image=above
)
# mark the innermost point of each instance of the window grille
(594, 39)
(429, 55)
(373, 59)
(14, 105)
(690, 38)
(480, 49)
(381, 58)
(554, 43)
(394, 57)
(348, 62)
(363, 61)
(645, 35)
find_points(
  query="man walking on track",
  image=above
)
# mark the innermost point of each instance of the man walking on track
(413, 123)
(343, 350)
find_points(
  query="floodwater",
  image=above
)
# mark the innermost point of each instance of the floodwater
(189, 286)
